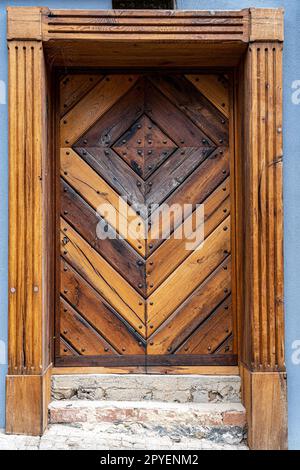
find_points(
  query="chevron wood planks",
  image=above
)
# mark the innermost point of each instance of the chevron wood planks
(144, 170)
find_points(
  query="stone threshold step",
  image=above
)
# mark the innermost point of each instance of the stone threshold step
(137, 387)
(85, 437)
(217, 422)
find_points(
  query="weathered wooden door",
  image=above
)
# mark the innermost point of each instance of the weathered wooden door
(131, 292)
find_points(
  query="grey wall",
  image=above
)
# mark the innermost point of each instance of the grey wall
(291, 180)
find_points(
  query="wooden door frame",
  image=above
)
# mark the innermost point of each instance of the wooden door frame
(250, 41)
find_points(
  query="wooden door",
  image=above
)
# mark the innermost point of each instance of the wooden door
(130, 295)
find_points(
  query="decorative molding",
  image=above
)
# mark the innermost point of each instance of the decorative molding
(263, 262)
(147, 25)
(28, 348)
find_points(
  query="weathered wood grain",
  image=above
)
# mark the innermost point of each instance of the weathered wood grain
(102, 276)
(84, 339)
(103, 198)
(215, 88)
(189, 275)
(101, 236)
(73, 87)
(174, 250)
(99, 314)
(178, 326)
(95, 103)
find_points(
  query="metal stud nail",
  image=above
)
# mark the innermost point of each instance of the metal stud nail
(140, 303)
(139, 183)
(140, 343)
(65, 252)
(151, 326)
(123, 141)
(106, 349)
(139, 141)
(149, 167)
(65, 172)
(85, 141)
(150, 245)
(140, 285)
(221, 141)
(65, 332)
(123, 349)
(209, 348)
(169, 349)
(106, 152)
(65, 350)
(82, 349)
(65, 291)
(151, 303)
(151, 285)
(140, 327)
(151, 343)
(12, 290)
(65, 212)
(140, 263)
(150, 183)
(225, 228)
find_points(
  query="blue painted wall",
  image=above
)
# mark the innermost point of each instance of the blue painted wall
(291, 180)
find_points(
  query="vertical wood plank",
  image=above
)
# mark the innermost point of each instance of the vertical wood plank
(263, 212)
(28, 238)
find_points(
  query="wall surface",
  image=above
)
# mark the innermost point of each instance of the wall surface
(291, 180)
